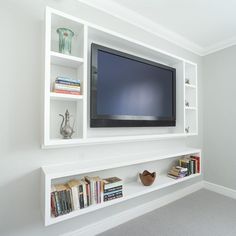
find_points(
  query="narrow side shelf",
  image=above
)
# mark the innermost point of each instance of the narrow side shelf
(190, 108)
(190, 86)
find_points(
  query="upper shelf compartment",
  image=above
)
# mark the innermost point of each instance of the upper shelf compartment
(190, 75)
(77, 40)
(132, 46)
(65, 60)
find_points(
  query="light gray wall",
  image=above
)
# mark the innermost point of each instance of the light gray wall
(21, 63)
(220, 117)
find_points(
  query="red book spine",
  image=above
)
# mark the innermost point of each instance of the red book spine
(198, 163)
(53, 205)
(66, 92)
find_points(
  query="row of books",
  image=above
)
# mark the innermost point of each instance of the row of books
(78, 194)
(186, 166)
(66, 85)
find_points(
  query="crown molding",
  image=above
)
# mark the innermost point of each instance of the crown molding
(116, 10)
(112, 8)
(219, 46)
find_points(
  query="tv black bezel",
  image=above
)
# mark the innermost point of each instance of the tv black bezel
(126, 121)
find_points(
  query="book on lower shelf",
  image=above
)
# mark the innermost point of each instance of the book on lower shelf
(66, 86)
(186, 166)
(77, 194)
(112, 188)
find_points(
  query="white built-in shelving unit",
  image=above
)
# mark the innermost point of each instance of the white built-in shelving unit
(77, 66)
(190, 91)
(125, 167)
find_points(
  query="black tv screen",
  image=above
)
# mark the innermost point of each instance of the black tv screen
(128, 91)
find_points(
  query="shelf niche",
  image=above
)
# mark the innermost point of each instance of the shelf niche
(125, 168)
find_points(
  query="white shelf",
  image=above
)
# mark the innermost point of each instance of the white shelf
(65, 60)
(61, 143)
(190, 86)
(130, 190)
(65, 97)
(75, 168)
(190, 108)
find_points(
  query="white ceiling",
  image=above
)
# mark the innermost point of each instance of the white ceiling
(202, 26)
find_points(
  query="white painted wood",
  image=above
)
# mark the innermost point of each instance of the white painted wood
(190, 108)
(196, 71)
(191, 112)
(47, 76)
(61, 143)
(75, 168)
(131, 190)
(64, 97)
(78, 61)
(85, 82)
(65, 60)
(179, 97)
(190, 86)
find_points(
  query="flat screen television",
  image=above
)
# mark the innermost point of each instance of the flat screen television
(128, 91)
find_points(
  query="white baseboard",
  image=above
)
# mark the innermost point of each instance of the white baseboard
(132, 213)
(220, 189)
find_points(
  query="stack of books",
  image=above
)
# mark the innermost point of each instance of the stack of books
(78, 194)
(186, 166)
(192, 163)
(177, 172)
(67, 86)
(112, 188)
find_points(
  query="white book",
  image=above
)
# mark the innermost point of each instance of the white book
(73, 184)
(66, 87)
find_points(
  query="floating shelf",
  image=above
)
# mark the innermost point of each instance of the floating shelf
(190, 108)
(65, 97)
(190, 86)
(65, 60)
(75, 168)
(130, 190)
(60, 143)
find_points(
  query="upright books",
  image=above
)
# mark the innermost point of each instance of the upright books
(78, 194)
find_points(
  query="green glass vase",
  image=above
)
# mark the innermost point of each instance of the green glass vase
(65, 39)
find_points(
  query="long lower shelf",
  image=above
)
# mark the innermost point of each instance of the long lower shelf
(131, 190)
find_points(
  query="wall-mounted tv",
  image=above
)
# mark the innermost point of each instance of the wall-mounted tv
(128, 91)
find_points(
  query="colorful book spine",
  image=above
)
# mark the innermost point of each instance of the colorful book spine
(73, 83)
(113, 197)
(67, 87)
(66, 92)
(81, 196)
(67, 79)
